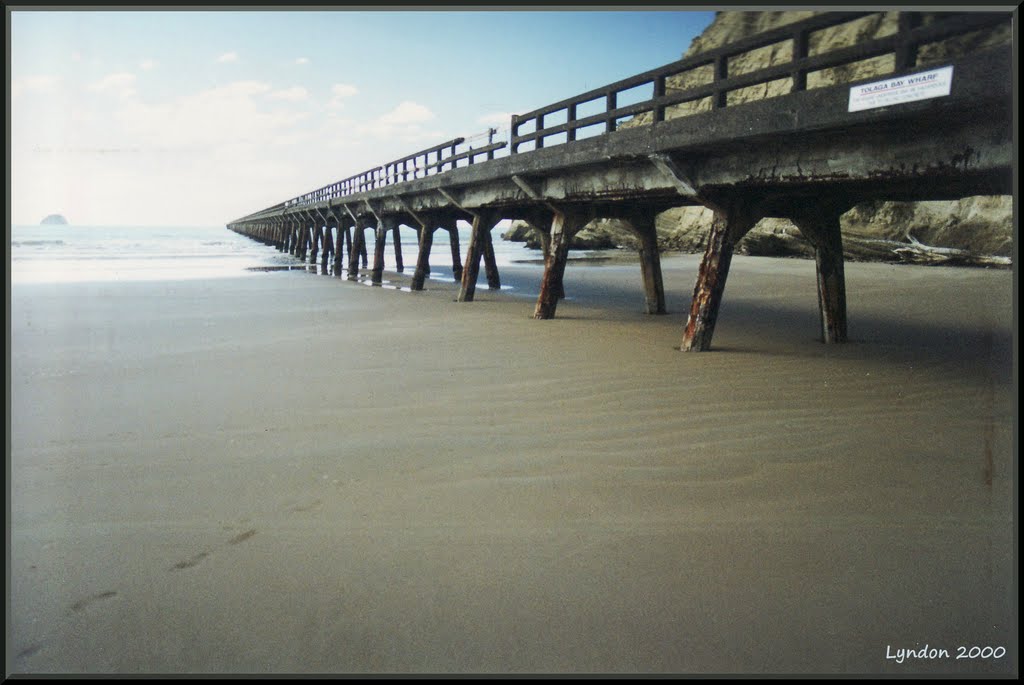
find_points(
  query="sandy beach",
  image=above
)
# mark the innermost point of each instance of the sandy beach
(288, 473)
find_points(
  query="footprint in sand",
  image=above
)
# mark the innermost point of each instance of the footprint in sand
(242, 537)
(83, 603)
(194, 560)
(189, 563)
(29, 651)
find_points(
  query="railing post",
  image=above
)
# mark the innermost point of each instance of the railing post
(513, 134)
(906, 52)
(659, 92)
(800, 49)
(538, 138)
(570, 119)
(610, 106)
(721, 74)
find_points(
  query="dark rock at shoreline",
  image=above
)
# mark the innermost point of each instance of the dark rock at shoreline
(597, 235)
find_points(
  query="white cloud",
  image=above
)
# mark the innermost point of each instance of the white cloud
(213, 117)
(293, 94)
(404, 122)
(344, 90)
(302, 60)
(242, 88)
(407, 112)
(105, 157)
(340, 91)
(147, 64)
(337, 131)
(500, 119)
(121, 84)
(40, 83)
(228, 57)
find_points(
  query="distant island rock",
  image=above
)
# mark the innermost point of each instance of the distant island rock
(54, 220)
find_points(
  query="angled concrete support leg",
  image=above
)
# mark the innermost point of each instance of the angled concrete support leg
(384, 226)
(650, 261)
(314, 248)
(564, 226)
(423, 257)
(397, 240)
(453, 240)
(819, 223)
(339, 246)
(358, 248)
(543, 229)
(482, 225)
(303, 241)
(325, 252)
(730, 223)
(490, 264)
(328, 246)
(545, 242)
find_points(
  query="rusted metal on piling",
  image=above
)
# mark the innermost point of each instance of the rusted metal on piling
(363, 222)
(426, 234)
(565, 223)
(483, 222)
(732, 220)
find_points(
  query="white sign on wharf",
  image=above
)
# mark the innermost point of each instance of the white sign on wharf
(923, 86)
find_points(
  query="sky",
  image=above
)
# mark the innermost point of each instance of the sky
(167, 118)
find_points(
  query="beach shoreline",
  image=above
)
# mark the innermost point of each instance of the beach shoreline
(292, 473)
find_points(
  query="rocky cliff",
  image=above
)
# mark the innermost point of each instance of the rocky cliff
(971, 230)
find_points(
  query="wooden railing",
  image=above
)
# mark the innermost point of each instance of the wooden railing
(433, 160)
(903, 44)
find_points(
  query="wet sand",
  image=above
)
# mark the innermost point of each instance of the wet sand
(285, 473)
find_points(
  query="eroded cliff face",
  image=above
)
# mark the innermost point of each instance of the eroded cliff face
(971, 230)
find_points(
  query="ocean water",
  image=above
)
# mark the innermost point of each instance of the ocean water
(68, 254)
